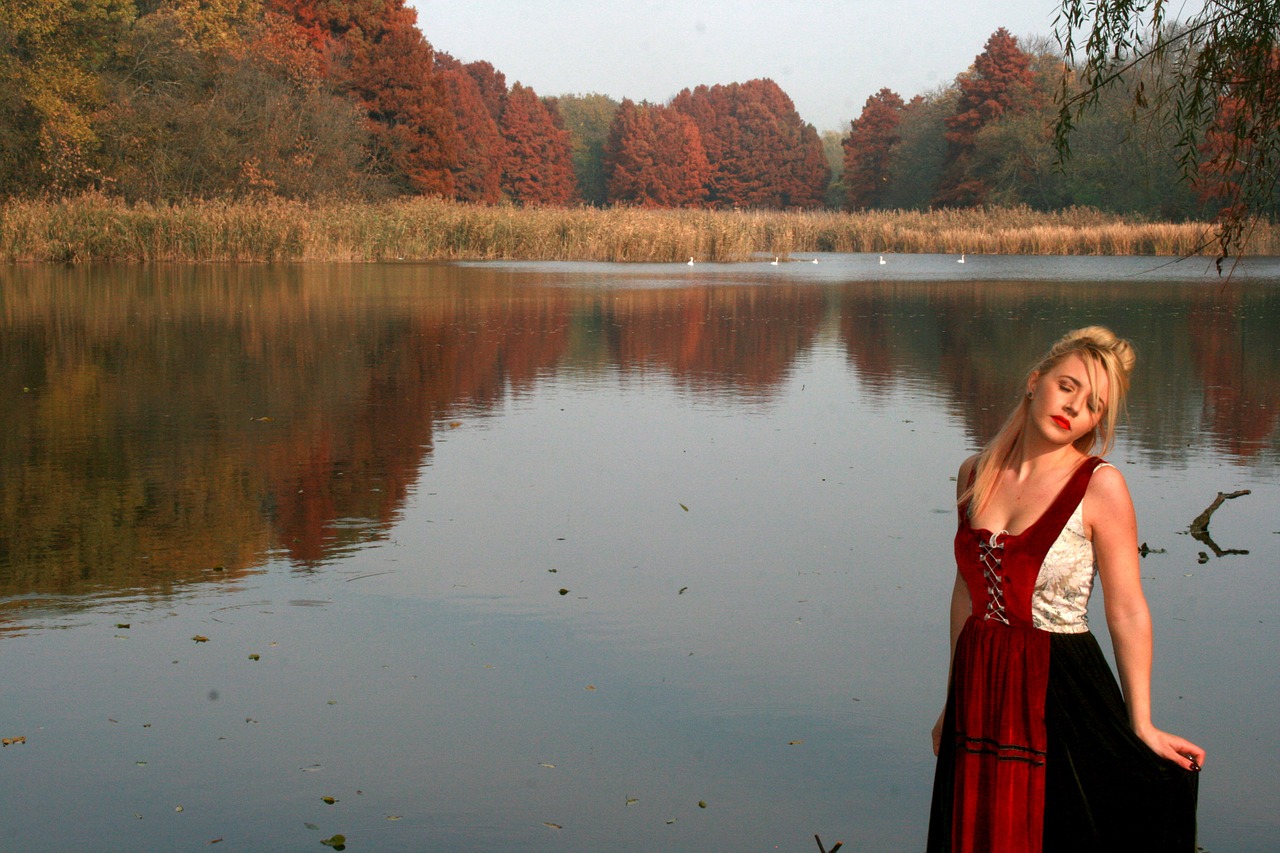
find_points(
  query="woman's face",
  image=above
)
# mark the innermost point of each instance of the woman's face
(1064, 404)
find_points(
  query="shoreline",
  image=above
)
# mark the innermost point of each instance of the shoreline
(94, 228)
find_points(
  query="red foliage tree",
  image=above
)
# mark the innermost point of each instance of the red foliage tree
(1001, 83)
(868, 147)
(654, 158)
(1229, 146)
(376, 55)
(537, 163)
(477, 172)
(491, 84)
(761, 152)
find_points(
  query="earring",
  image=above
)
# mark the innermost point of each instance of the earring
(1031, 395)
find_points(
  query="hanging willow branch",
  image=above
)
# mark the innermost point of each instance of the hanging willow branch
(1215, 76)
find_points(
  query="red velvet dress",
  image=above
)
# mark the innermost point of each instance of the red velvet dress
(1037, 754)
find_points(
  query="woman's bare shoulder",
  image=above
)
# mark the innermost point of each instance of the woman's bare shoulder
(1107, 499)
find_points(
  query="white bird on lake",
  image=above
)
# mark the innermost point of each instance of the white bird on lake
(774, 262)
(882, 260)
(690, 261)
(961, 261)
(815, 260)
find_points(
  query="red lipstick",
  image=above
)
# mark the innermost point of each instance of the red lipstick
(1062, 422)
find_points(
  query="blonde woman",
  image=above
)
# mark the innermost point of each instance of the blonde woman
(1039, 748)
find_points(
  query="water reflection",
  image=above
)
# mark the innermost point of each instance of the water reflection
(164, 424)
(377, 480)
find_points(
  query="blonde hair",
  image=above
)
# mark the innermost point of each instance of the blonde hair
(1099, 349)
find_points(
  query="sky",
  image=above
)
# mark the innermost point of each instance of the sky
(828, 55)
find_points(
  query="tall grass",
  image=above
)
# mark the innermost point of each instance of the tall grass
(96, 228)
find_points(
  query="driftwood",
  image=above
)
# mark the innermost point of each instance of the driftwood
(839, 844)
(1200, 527)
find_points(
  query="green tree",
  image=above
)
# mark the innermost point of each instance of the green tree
(588, 119)
(917, 162)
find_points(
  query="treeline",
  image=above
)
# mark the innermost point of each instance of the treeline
(175, 100)
(988, 139)
(165, 100)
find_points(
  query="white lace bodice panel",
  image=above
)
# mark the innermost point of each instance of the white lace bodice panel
(1060, 602)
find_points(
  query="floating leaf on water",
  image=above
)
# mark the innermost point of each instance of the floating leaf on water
(215, 841)
(333, 701)
(683, 507)
(200, 638)
(179, 809)
(671, 821)
(591, 687)
(682, 589)
(337, 842)
(310, 826)
(702, 804)
(255, 657)
(311, 769)
(631, 801)
(564, 591)
(794, 742)
(123, 626)
(393, 817)
(328, 800)
(551, 825)
(544, 764)
(11, 741)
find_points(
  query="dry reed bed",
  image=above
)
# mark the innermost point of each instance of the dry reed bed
(95, 228)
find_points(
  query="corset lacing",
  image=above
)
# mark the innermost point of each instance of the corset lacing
(990, 554)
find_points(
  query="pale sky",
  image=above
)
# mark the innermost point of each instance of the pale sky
(828, 55)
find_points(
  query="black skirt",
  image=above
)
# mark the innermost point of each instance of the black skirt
(1105, 790)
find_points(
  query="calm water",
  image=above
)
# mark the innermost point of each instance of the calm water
(574, 556)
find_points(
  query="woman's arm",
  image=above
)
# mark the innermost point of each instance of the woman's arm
(1113, 527)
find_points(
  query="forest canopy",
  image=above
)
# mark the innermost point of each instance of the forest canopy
(173, 100)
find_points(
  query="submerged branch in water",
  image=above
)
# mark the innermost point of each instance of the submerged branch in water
(1200, 527)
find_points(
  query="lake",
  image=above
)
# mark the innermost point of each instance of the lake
(574, 557)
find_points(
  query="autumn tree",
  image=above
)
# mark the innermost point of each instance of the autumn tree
(222, 100)
(537, 168)
(761, 152)
(868, 147)
(999, 85)
(588, 118)
(50, 56)
(376, 55)
(491, 85)
(654, 158)
(1222, 177)
(477, 170)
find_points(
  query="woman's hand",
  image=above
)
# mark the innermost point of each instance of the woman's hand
(1180, 751)
(937, 732)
